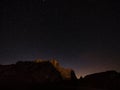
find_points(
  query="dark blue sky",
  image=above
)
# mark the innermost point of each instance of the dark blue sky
(82, 35)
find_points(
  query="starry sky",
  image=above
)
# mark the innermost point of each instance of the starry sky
(82, 34)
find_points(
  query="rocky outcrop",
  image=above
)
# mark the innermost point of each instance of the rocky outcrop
(29, 72)
(66, 74)
(37, 71)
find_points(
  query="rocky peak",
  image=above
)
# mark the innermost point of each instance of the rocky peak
(66, 73)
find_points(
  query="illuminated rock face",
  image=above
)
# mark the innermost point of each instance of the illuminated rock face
(66, 74)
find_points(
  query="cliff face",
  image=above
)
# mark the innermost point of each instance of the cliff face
(34, 72)
(66, 74)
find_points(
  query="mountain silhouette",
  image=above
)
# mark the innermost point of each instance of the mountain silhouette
(35, 71)
(34, 75)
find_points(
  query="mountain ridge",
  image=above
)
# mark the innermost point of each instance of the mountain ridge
(49, 74)
(35, 71)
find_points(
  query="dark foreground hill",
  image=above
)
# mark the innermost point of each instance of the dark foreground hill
(47, 75)
(109, 80)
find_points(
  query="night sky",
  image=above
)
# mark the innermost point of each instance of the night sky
(82, 34)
